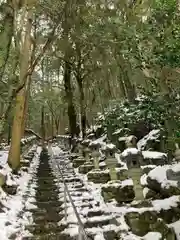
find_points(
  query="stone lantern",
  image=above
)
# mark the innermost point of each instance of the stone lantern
(80, 147)
(134, 158)
(86, 150)
(111, 162)
(177, 153)
(95, 146)
(131, 141)
(66, 143)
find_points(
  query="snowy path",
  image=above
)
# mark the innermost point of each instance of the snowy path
(46, 216)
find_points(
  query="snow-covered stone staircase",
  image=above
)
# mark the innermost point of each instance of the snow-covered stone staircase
(55, 218)
(98, 223)
(46, 216)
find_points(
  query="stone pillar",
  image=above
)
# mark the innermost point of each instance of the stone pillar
(80, 149)
(87, 152)
(95, 153)
(134, 158)
(135, 174)
(177, 153)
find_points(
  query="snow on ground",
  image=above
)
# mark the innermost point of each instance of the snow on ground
(154, 155)
(166, 203)
(153, 135)
(28, 139)
(176, 226)
(128, 151)
(12, 219)
(153, 235)
(159, 174)
(100, 140)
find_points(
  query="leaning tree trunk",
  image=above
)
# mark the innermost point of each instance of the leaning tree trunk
(69, 96)
(14, 152)
(6, 33)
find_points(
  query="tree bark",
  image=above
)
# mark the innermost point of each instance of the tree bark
(43, 133)
(82, 106)
(128, 86)
(6, 33)
(130, 89)
(69, 96)
(27, 91)
(14, 152)
(52, 125)
(122, 88)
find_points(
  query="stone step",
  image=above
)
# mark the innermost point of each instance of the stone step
(48, 227)
(45, 182)
(50, 236)
(39, 213)
(95, 212)
(40, 188)
(46, 204)
(48, 217)
(47, 192)
(99, 221)
(66, 236)
(41, 198)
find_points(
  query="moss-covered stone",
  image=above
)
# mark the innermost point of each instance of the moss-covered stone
(148, 221)
(98, 176)
(85, 168)
(78, 162)
(116, 190)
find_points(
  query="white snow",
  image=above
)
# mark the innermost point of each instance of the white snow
(154, 155)
(176, 227)
(143, 180)
(128, 151)
(28, 139)
(3, 157)
(149, 166)
(159, 174)
(15, 204)
(118, 131)
(145, 191)
(99, 140)
(150, 136)
(108, 146)
(166, 203)
(153, 235)
(99, 236)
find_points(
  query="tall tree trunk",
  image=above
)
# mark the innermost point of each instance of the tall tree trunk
(57, 121)
(9, 134)
(122, 88)
(6, 33)
(69, 96)
(130, 89)
(14, 152)
(43, 133)
(82, 106)
(52, 125)
(128, 86)
(27, 92)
